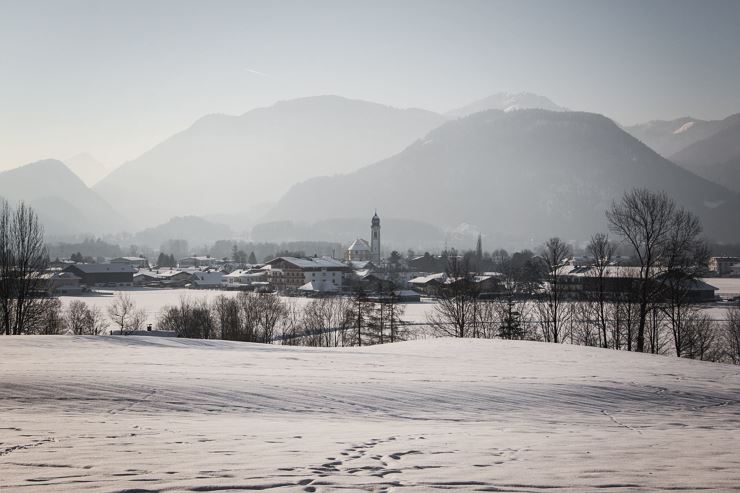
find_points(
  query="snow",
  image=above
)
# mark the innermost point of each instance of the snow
(683, 128)
(124, 413)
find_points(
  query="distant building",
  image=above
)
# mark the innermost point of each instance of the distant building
(200, 261)
(361, 251)
(358, 251)
(58, 283)
(103, 274)
(375, 239)
(139, 262)
(291, 273)
(207, 279)
(162, 278)
(243, 278)
(722, 265)
(582, 281)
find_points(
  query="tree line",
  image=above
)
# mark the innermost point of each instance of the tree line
(267, 318)
(651, 311)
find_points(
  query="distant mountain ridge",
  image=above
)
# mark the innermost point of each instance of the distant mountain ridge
(65, 205)
(505, 101)
(710, 149)
(669, 137)
(226, 164)
(197, 231)
(520, 176)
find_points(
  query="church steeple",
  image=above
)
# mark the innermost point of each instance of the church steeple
(375, 238)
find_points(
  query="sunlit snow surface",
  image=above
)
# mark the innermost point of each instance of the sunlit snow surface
(145, 414)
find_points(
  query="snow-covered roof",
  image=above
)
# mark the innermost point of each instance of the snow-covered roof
(160, 273)
(308, 263)
(319, 287)
(102, 268)
(239, 273)
(58, 275)
(359, 245)
(207, 277)
(361, 264)
(438, 277)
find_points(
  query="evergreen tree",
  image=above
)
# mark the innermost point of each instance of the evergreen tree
(252, 258)
(511, 327)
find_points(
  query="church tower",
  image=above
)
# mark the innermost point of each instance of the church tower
(375, 239)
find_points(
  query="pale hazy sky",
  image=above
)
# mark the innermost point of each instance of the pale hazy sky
(113, 78)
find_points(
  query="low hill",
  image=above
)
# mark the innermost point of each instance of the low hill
(65, 205)
(195, 230)
(228, 164)
(524, 175)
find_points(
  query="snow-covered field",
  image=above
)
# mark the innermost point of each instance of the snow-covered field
(119, 414)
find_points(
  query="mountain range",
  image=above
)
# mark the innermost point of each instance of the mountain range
(232, 163)
(523, 175)
(710, 149)
(65, 205)
(315, 168)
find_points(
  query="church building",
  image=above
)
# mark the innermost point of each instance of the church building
(361, 251)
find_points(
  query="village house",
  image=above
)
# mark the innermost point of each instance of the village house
(200, 261)
(61, 283)
(291, 273)
(103, 274)
(162, 278)
(138, 262)
(577, 282)
(244, 278)
(207, 279)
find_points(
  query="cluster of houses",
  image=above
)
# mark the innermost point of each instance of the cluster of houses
(361, 267)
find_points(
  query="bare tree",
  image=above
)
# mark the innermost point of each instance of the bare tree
(453, 315)
(80, 319)
(23, 259)
(686, 256)
(657, 232)
(125, 315)
(602, 251)
(700, 337)
(45, 318)
(552, 314)
(731, 335)
(226, 317)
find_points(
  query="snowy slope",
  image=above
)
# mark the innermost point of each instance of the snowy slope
(146, 414)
